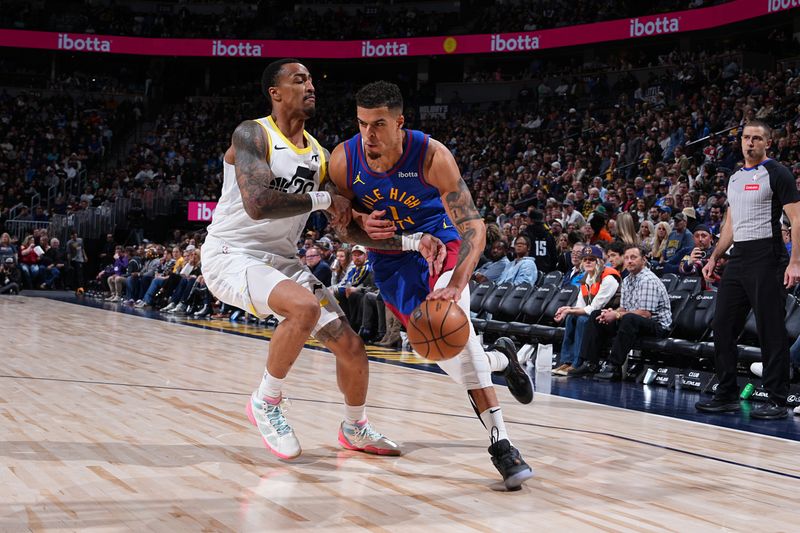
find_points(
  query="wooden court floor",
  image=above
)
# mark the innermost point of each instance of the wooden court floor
(112, 422)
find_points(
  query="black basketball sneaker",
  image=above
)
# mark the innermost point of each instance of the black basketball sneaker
(508, 461)
(517, 379)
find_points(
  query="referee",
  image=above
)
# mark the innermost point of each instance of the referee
(758, 271)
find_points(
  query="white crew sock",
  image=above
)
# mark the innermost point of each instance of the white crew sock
(492, 418)
(497, 361)
(270, 388)
(355, 414)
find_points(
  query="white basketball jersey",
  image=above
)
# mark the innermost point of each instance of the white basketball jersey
(296, 170)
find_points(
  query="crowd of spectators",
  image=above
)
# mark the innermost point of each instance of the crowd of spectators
(517, 15)
(283, 20)
(47, 140)
(184, 149)
(601, 181)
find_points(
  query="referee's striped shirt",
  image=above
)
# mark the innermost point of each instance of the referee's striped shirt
(756, 196)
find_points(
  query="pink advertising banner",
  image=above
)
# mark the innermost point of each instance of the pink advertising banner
(613, 30)
(201, 211)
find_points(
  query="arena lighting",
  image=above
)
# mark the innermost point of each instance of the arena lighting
(506, 43)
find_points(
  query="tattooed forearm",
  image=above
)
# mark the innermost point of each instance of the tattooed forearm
(470, 226)
(355, 234)
(466, 245)
(255, 178)
(461, 205)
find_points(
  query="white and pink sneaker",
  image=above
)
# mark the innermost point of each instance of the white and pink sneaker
(278, 435)
(362, 437)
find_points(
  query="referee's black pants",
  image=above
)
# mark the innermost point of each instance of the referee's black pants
(753, 278)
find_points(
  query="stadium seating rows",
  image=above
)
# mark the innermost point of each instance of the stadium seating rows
(526, 313)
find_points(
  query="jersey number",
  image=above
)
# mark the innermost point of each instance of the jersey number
(302, 182)
(541, 248)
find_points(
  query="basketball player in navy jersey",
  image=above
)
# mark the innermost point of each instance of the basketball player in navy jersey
(411, 186)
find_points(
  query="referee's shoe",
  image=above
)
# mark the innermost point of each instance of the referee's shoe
(771, 410)
(718, 405)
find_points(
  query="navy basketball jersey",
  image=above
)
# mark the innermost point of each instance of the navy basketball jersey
(408, 199)
(414, 205)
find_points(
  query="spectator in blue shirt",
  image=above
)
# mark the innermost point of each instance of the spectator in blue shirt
(679, 238)
(493, 269)
(523, 268)
(321, 269)
(356, 282)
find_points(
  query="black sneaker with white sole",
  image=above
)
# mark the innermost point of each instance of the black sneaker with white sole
(510, 464)
(517, 380)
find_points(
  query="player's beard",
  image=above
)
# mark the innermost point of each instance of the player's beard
(310, 111)
(373, 155)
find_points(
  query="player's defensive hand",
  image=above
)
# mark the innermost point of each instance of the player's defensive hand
(341, 211)
(434, 252)
(377, 227)
(445, 293)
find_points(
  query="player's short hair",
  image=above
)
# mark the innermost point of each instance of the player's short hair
(757, 123)
(269, 78)
(380, 94)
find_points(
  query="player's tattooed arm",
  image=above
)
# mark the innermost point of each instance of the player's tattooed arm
(431, 248)
(255, 177)
(442, 172)
(467, 221)
(354, 233)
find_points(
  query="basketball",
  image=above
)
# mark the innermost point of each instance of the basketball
(438, 329)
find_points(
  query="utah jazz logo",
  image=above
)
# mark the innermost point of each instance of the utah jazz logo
(301, 182)
(358, 179)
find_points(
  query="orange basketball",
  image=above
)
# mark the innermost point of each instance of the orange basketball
(438, 329)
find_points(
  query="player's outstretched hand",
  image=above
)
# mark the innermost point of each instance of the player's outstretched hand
(341, 211)
(434, 252)
(377, 227)
(445, 293)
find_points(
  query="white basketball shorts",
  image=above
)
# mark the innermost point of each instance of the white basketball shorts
(245, 280)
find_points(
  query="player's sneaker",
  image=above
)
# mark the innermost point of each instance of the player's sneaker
(518, 381)
(278, 435)
(510, 464)
(364, 438)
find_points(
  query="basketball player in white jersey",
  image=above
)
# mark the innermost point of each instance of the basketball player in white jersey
(272, 176)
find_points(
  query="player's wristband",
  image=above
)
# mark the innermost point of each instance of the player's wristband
(320, 200)
(411, 242)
